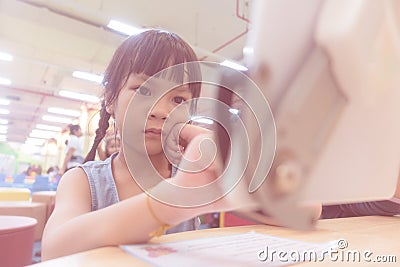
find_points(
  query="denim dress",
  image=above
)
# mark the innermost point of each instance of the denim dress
(104, 191)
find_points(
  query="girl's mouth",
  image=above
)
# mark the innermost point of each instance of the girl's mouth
(153, 132)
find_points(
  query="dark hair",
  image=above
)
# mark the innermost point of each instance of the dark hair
(73, 128)
(146, 53)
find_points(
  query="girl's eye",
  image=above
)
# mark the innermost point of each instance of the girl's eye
(179, 99)
(143, 91)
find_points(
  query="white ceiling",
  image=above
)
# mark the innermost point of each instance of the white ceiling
(50, 39)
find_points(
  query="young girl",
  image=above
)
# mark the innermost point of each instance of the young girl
(74, 149)
(100, 204)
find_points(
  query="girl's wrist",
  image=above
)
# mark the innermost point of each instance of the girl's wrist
(166, 204)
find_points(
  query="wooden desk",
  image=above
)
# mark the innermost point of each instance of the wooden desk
(380, 235)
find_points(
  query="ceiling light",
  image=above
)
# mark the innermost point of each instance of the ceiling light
(124, 28)
(247, 50)
(234, 111)
(5, 81)
(4, 111)
(203, 120)
(67, 112)
(3, 137)
(35, 141)
(48, 127)
(79, 96)
(233, 65)
(87, 76)
(4, 102)
(3, 121)
(57, 119)
(6, 57)
(42, 134)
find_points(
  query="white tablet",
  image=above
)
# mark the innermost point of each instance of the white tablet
(330, 70)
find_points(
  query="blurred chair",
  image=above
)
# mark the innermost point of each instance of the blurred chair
(3, 182)
(41, 183)
(19, 181)
(229, 219)
(16, 240)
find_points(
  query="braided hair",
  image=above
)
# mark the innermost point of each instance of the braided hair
(100, 132)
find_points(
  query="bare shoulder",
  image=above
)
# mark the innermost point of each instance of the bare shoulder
(73, 195)
(72, 176)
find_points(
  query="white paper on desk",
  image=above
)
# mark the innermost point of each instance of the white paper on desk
(232, 250)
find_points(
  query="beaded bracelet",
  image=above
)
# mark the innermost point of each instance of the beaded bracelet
(163, 226)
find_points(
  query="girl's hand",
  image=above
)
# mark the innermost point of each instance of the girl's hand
(198, 178)
(199, 159)
(179, 138)
(197, 186)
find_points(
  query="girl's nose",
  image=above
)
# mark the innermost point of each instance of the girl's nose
(160, 110)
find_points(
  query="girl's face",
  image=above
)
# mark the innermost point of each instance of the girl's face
(147, 96)
(78, 132)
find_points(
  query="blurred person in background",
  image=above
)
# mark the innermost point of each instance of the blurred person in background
(111, 144)
(74, 149)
